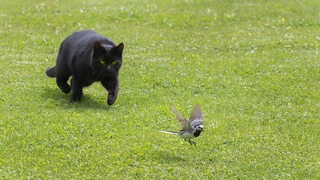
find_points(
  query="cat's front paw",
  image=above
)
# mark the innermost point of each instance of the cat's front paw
(111, 101)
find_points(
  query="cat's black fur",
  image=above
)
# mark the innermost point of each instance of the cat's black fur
(88, 57)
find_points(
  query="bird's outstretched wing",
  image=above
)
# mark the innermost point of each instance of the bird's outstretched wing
(196, 116)
(185, 125)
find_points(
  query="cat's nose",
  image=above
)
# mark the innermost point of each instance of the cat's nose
(109, 68)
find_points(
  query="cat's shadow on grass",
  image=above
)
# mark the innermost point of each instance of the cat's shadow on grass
(54, 96)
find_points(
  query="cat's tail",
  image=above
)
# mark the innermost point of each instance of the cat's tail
(51, 72)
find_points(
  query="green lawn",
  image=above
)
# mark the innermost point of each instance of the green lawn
(253, 66)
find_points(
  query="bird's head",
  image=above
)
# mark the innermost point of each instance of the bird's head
(199, 128)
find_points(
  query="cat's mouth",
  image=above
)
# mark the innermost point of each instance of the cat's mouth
(108, 68)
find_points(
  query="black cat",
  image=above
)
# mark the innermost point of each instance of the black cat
(88, 57)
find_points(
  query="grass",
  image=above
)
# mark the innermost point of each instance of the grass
(253, 66)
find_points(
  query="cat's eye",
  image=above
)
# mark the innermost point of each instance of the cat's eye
(102, 61)
(113, 62)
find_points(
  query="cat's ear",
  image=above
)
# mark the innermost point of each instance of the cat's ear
(119, 49)
(98, 48)
(97, 45)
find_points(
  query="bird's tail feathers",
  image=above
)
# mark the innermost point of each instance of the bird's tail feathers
(170, 132)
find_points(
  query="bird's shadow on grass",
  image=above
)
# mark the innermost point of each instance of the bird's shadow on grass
(56, 97)
(167, 157)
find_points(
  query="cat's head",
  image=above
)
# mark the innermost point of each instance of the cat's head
(107, 57)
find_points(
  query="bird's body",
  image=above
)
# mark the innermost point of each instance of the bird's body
(189, 129)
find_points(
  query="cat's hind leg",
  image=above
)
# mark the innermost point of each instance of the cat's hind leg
(62, 77)
(62, 83)
(77, 90)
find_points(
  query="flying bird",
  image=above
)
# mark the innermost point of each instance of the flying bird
(189, 129)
